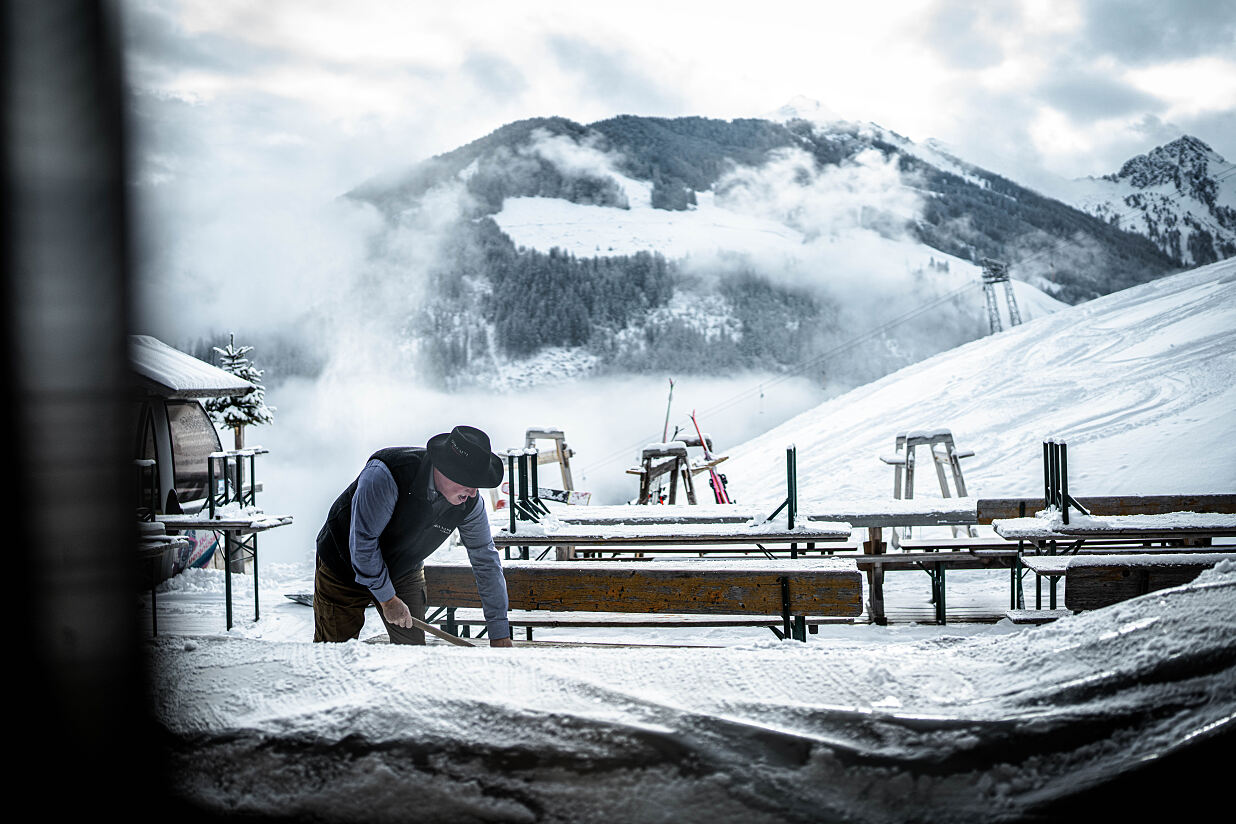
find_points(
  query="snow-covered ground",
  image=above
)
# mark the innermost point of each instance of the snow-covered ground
(945, 728)
(862, 723)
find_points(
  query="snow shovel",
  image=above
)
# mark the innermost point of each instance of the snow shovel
(439, 633)
(306, 598)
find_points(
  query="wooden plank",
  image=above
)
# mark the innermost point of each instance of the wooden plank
(743, 589)
(926, 544)
(889, 512)
(548, 619)
(952, 560)
(990, 509)
(1088, 587)
(531, 534)
(635, 514)
(873, 512)
(636, 552)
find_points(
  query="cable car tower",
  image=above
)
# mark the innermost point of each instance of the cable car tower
(995, 271)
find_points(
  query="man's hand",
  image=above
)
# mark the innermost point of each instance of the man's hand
(396, 612)
(500, 642)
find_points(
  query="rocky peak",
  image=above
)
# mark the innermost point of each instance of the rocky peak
(1184, 162)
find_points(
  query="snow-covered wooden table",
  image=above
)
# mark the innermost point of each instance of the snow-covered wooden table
(1095, 580)
(234, 522)
(543, 534)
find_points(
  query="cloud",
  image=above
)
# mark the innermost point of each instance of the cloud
(865, 192)
(573, 158)
(1146, 32)
(494, 74)
(965, 33)
(1090, 94)
(614, 76)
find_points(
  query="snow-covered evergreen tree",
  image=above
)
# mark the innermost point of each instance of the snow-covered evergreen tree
(240, 411)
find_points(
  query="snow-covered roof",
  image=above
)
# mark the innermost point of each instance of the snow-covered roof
(170, 373)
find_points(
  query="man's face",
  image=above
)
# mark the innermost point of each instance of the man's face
(453, 492)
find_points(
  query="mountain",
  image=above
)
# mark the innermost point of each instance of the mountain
(722, 245)
(1182, 196)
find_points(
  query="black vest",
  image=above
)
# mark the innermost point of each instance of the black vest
(416, 528)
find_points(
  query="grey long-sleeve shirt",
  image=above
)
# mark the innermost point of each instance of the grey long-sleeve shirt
(372, 505)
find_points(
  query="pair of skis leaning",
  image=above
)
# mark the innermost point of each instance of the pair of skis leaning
(715, 479)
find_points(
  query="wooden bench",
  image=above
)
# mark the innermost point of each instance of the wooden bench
(1093, 581)
(761, 593)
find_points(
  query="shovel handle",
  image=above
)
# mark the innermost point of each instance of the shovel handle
(438, 633)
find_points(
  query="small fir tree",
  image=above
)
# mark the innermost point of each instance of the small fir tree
(237, 412)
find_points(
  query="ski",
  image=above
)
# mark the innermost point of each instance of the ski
(715, 479)
(563, 496)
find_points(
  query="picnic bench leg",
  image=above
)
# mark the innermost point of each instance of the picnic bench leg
(256, 613)
(1051, 550)
(874, 545)
(1013, 570)
(227, 575)
(937, 591)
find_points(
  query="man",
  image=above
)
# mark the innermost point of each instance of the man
(380, 530)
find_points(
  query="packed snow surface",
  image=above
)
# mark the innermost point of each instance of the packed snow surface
(947, 728)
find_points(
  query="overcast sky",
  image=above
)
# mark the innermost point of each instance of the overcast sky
(343, 90)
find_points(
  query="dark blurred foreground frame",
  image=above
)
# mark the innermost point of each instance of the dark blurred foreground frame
(78, 715)
(84, 742)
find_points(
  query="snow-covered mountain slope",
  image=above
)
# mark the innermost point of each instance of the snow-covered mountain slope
(1141, 384)
(585, 230)
(718, 226)
(1181, 195)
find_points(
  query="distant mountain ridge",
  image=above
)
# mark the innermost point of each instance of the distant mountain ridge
(572, 235)
(1181, 195)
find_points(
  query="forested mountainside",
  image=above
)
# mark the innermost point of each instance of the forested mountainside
(490, 297)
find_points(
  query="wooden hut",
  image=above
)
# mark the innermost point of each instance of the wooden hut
(171, 427)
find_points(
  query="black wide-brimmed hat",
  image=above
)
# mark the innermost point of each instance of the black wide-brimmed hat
(463, 455)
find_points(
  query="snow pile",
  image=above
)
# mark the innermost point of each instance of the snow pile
(946, 729)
